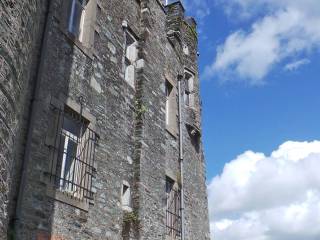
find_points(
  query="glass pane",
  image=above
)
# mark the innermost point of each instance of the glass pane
(71, 154)
(72, 126)
(169, 185)
(68, 164)
(129, 39)
(186, 99)
(168, 88)
(75, 18)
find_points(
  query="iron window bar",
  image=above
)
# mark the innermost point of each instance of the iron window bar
(173, 214)
(73, 154)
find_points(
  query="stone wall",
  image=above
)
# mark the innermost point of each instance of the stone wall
(134, 145)
(20, 36)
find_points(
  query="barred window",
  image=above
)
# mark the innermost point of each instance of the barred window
(173, 212)
(72, 159)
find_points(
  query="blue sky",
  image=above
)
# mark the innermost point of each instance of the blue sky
(238, 116)
(259, 68)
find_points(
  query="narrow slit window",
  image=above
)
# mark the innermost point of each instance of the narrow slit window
(131, 55)
(169, 103)
(189, 89)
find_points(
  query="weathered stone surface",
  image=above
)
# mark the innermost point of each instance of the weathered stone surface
(134, 145)
(20, 35)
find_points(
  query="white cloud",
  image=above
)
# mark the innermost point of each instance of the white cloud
(288, 28)
(296, 64)
(274, 197)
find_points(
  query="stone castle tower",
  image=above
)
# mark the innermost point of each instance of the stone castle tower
(100, 134)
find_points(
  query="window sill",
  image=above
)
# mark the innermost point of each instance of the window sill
(86, 51)
(64, 197)
(67, 199)
(127, 209)
(171, 131)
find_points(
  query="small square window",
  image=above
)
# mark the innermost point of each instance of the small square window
(126, 196)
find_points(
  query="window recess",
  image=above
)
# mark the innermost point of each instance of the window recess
(131, 56)
(171, 108)
(72, 154)
(79, 18)
(126, 197)
(189, 89)
(195, 135)
(169, 102)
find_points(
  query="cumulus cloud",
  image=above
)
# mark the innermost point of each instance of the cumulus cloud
(288, 28)
(276, 197)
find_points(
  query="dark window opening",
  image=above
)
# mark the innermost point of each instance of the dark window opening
(194, 135)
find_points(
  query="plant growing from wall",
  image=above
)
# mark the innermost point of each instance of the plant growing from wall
(130, 217)
(140, 108)
(191, 30)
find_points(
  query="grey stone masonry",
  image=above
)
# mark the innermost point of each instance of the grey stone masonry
(109, 78)
(20, 33)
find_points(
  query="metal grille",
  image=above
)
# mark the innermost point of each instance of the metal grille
(73, 154)
(173, 213)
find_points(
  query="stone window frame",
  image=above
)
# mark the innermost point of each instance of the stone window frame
(52, 190)
(136, 63)
(189, 90)
(195, 136)
(172, 124)
(88, 42)
(126, 201)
